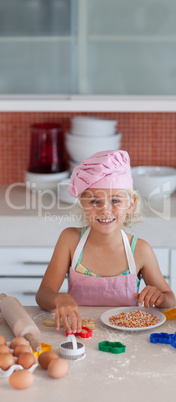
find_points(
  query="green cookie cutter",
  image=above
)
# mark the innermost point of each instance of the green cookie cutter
(112, 347)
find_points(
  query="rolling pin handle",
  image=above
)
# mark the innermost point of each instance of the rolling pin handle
(36, 345)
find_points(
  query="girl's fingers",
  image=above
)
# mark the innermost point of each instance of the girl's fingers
(141, 296)
(136, 295)
(79, 322)
(144, 296)
(57, 320)
(149, 296)
(68, 311)
(72, 317)
(66, 323)
(154, 298)
(76, 321)
(160, 300)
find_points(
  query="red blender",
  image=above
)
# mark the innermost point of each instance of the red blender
(47, 162)
(47, 153)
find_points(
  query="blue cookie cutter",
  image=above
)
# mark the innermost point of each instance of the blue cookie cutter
(164, 337)
(112, 347)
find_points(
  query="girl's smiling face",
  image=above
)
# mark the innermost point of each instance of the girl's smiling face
(106, 209)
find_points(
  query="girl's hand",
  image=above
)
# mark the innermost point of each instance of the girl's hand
(67, 308)
(150, 296)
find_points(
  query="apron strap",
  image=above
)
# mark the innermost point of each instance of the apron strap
(129, 254)
(80, 247)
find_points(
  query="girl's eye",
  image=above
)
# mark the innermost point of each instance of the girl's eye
(95, 202)
(115, 201)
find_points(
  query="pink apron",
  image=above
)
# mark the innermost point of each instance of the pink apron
(103, 291)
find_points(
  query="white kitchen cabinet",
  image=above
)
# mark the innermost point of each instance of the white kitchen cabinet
(129, 47)
(24, 289)
(163, 257)
(37, 46)
(173, 271)
(22, 269)
(21, 272)
(88, 47)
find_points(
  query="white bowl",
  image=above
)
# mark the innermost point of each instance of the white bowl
(92, 126)
(64, 195)
(72, 165)
(42, 181)
(154, 181)
(80, 148)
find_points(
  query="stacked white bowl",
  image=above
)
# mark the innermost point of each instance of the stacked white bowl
(89, 135)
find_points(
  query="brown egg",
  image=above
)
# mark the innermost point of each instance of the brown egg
(21, 379)
(21, 349)
(45, 358)
(4, 349)
(19, 340)
(26, 360)
(6, 361)
(2, 340)
(58, 368)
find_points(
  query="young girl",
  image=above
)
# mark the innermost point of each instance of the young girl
(106, 263)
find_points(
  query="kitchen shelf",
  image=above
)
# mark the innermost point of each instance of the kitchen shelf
(36, 38)
(131, 38)
(85, 103)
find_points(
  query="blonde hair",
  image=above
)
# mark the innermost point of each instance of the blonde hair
(136, 216)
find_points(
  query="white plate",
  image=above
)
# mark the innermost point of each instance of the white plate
(115, 311)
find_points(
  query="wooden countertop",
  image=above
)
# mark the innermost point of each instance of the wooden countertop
(144, 372)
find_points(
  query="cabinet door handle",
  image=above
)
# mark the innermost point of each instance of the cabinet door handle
(29, 293)
(35, 262)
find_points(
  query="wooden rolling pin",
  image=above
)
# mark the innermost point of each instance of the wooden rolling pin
(19, 320)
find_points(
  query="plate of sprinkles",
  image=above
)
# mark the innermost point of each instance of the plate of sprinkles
(133, 318)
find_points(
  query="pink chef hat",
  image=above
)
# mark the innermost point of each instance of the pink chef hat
(106, 169)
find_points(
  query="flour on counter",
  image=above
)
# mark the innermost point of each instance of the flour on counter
(146, 374)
